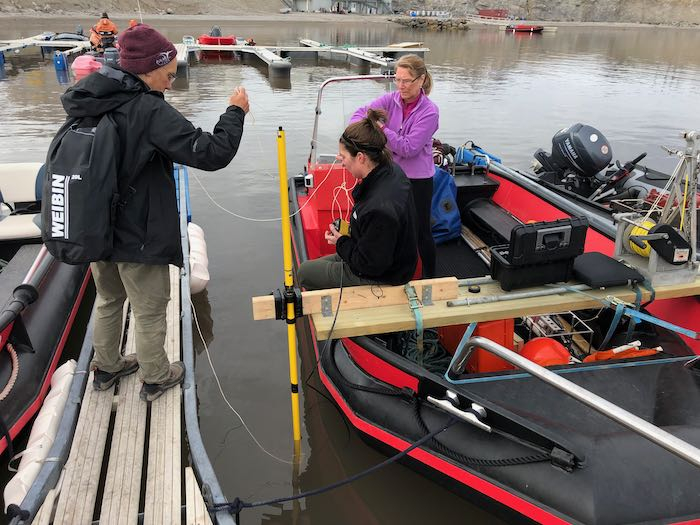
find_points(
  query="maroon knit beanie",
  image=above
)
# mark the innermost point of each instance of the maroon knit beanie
(143, 49)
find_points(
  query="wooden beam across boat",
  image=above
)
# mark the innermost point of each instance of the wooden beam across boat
(359, 297)
(365, 313)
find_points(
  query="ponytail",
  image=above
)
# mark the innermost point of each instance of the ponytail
(367, 136)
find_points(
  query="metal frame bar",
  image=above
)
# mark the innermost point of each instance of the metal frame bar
(319, 98)
(636, 424)
(211, 490)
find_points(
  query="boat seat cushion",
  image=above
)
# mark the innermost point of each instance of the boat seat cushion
(18, 182)
(14, 227)
(597, 270)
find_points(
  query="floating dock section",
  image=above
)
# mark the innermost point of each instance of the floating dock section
(68, 47)
(125, 463)
(278, 58)
(125, 460)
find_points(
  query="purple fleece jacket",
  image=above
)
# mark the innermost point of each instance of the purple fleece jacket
(410, 141)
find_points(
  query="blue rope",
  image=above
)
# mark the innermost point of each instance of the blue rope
(463, 342)
(637, 315)
(647, 284)
(619, 310)
(660, 322)
(637, 305)
(415, 307)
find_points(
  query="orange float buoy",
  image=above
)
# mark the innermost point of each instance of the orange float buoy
(545, 352)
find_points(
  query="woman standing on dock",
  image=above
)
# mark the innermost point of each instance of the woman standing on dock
(152, 136)
(412, 120)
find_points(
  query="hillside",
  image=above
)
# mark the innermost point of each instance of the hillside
(670, 12)
(674, 12)
(177, 7)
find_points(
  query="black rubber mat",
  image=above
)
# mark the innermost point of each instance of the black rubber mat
(455, 258)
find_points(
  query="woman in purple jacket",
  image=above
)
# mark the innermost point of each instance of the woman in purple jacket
(412, 120)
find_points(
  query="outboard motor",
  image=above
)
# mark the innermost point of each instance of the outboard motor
(580, 148)
(215, 31)
(579, 152)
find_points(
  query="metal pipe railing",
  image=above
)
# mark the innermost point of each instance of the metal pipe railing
(319, 98)
(651, 432)
(211, 490)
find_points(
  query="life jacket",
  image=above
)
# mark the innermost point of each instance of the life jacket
(104, 28)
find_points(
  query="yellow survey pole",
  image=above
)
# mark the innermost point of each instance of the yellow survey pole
(288, 282)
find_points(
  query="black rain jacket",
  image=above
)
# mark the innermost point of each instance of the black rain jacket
(382, 244)
(153, 135)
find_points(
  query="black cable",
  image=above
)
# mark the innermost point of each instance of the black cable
(318, 360)
(330, 332)
(237, 505)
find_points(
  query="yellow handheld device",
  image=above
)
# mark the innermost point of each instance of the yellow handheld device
(342, 226)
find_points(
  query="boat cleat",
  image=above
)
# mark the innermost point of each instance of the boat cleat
(472, 415)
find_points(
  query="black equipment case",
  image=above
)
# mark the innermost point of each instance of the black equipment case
(539, 253)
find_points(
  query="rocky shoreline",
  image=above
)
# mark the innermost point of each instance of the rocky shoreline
(433, 24)
(461, 24)
(417, 23)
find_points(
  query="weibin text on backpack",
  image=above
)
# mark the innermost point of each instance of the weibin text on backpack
(81, 192)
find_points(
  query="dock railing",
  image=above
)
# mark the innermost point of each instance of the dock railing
(48, 477)
(211, 490)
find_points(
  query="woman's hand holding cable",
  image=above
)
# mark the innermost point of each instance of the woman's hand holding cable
(239, 98)
(332, 235)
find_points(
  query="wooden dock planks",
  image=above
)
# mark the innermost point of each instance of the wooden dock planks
(120, 499)
(76, 502)
(122, 496)
(163, 482)
(196, 510)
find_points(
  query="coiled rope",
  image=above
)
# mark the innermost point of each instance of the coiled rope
(15, 371)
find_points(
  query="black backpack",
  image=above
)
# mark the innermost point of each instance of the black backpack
(81, 190)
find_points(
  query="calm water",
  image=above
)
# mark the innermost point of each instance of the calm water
(509, 93)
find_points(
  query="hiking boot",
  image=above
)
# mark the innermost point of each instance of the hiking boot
(104, 380)
(152, 391)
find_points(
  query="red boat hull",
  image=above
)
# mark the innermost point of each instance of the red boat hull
(325, 203)
(525, 28)
(227, 40)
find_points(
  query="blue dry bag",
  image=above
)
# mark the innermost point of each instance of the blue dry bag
(444, 215)
(470, 153)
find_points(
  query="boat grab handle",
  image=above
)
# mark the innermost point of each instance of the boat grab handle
(676, 446)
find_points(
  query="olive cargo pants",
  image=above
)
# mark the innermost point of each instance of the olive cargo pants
(148, 288)
(329, 271)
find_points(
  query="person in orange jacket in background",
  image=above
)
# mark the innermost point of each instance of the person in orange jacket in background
(103, 34)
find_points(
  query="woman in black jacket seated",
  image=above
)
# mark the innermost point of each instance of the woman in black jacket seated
(381, 245)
